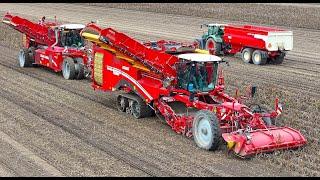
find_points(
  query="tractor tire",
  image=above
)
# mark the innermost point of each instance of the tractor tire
(122, 103)
(206, 130)
(259, 57)
(211, 44)
(79, 69)
(246, 55)
(68, 68)
(24, 58)
(279, 59)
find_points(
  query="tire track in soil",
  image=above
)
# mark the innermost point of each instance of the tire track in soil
(107, 148)
(56, 142)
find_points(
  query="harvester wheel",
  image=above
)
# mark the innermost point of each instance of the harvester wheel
(79, 69)
(246, 55)
(211, 44)
(32, 53)
(122, 103)
(139, 108)
(259, 57)
(279, 59)
(24, 58)
(68, 68)
(206, 130)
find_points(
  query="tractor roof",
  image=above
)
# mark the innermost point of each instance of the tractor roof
(216, 24)
(72, 26)
(197, 57)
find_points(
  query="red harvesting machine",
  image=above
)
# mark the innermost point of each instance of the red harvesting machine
(56, 46)
(186, 89)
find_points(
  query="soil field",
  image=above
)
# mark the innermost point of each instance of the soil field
(50, 126)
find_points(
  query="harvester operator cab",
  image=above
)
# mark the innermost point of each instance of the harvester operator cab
(70, 35)
(197, 72)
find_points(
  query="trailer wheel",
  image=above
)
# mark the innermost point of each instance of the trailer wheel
(259, 57)
(246, 55)
(279, 59)
(122, 103)
(206, 130)
(24, 58)
(211, 44)
(79, 68)
(68, 68)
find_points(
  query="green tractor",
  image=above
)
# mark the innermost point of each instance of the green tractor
(212, 39)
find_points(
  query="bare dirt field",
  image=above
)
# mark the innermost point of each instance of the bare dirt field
(53, 127)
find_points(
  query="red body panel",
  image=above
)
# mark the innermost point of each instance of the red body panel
(53, 57)
(117, 74)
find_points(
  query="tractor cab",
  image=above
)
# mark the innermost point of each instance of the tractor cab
(213, 34)
(197, 72)
(70, 35)
(214, 29)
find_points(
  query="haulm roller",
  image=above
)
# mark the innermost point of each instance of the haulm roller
(184, 87)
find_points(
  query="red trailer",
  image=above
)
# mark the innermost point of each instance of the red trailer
(257, 44)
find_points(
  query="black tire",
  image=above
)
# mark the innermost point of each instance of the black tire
(215, 45)
(279, 59)
(122, 103)
(209, 137)
(24, 58)
(68, 68)
(79, 69)
(246, 55)
(259, 57)
(32, 53)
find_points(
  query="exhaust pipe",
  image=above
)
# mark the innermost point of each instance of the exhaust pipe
(56, 35)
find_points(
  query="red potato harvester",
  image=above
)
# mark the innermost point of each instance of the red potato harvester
(56, 46)
(185, 88)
